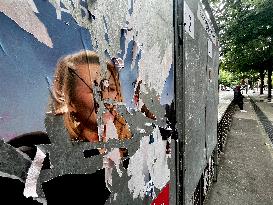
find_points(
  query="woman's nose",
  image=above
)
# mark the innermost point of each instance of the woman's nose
(105, 94)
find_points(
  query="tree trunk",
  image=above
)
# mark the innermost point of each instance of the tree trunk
(269, 82)
(262, 81)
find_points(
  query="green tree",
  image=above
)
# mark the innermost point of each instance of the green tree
(225, 77)
(246, 32)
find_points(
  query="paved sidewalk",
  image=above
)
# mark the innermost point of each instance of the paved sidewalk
(246, 167)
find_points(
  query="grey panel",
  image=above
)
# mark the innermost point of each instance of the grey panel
(201, 95)
(212, 101)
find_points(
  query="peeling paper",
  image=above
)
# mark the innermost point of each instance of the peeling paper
(112, 159)
(143, 21)
(33, 174)
(33, 6)
(119, 63)
(157, 160)
(23, 13)
(103, 12)
(13, 163)
(150, 28)
(136, 51)
(137, 184)
(153, 159)
(154, 72)
(151, 24)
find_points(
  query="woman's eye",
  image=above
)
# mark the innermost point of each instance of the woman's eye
(112, 89)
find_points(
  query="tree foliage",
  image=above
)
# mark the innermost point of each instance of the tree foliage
(246, 32)
(227, 78)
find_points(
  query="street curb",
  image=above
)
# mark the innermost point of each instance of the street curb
(265, 124)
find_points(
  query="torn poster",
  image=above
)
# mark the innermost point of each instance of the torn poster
(88, 95)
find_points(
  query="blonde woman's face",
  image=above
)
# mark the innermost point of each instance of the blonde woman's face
(83, 101)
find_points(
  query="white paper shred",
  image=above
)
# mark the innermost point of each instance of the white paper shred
(33, 174)
(154, 158)
(23, 13)
(113, 158)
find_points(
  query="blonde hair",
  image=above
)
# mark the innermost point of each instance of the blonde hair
(63, 89)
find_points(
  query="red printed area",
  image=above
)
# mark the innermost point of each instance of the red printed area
(163, 197)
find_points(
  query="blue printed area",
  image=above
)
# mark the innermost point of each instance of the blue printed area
(25, 63)
(167, 95)
(128, 76)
